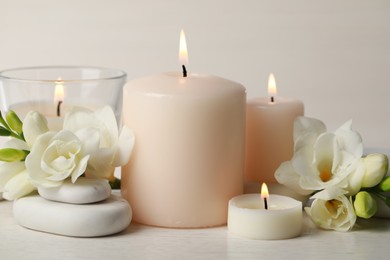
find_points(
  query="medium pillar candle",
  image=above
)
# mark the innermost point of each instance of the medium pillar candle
(269, 134)
(188, 158)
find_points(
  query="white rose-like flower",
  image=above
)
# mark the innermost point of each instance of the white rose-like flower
(331, 209)
(321, 159)
(55, 157)
(99, 132)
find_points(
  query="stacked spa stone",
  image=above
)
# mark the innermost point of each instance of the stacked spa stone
(85, 208)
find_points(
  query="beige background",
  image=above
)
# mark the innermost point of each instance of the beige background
(333, 55)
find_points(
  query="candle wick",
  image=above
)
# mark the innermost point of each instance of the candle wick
(265, 203)
(59, 108)
(184, 71)
(272, 99)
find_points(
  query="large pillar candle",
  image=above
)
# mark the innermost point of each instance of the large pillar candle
(269, 134)
(188, 156)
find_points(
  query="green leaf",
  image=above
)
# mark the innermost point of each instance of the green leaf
(12, 155)
(115, 183)
(4, 131)
(14, 122)
(384, 185)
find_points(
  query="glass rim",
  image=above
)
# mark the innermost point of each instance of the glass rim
(121, 73)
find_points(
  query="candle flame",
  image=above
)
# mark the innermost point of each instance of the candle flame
(59, 91)
(271, 86)
(264, 191)
(183, 53)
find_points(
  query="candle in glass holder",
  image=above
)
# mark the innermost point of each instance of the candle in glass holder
(41, 89)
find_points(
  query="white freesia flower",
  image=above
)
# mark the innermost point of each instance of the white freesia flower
(55, 157)
(321, 159)
(14, 179)
(331, 209)
(99, 132)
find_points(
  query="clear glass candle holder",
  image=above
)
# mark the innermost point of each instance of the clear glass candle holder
(55, 90)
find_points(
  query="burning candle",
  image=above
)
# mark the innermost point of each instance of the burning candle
(265, 217)
(53, 111)
(188, 157)
(41, 89)
(269, 133)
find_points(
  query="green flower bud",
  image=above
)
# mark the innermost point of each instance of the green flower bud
(12, 155)
(365, 205)
(376, 167)
(14, 122)
(384, 185)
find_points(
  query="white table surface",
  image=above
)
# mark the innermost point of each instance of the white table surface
(369, 239)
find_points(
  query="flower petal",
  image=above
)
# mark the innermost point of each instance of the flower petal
(18, 186)
(329, 193)
(355, 179)
(79, 118)
(80, 169)
(107, 117)
(286, 175)
(34, 125)
(349, 140)
(16, 144)
(124, 147)
(8, 170)
(99, 165)
(90, 139)
(307, 129)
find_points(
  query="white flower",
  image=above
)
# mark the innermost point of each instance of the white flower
(331, 209)
(321, 159)
(99, 132)
(55, 157)
(14, 179)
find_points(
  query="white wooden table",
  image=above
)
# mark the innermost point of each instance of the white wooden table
(369, 240)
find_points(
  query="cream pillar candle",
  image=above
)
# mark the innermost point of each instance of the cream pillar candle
(188, 158)
(248, 217)
(269, 134)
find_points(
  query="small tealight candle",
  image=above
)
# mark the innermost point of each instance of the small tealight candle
(265, 216)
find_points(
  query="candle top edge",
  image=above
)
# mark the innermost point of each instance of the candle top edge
(253, 202)
(173, 83)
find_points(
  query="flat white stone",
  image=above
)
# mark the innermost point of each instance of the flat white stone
(89, 220)
(83, 191)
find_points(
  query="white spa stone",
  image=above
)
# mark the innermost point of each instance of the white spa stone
(83, 191)
(89, 220)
